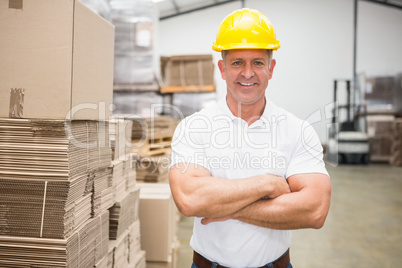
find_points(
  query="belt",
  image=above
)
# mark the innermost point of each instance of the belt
(281, 262)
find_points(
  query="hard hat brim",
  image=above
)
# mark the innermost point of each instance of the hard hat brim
(246, 46)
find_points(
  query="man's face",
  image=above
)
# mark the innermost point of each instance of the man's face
(247, 72)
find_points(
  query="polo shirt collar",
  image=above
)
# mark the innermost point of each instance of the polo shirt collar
(262, 122)
(223, 106)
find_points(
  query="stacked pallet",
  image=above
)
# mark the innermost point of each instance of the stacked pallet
(55, 192)
(396, 157)
(152, 136)
(153, 168)
(152, 139)
(124, 232)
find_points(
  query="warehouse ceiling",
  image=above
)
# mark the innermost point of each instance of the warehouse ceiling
(172, 8)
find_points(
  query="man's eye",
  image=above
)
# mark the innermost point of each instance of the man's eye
(236, 63)
(259, 63)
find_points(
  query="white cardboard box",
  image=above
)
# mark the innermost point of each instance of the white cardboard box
(61, 54)
(172, 263)
(158, 221)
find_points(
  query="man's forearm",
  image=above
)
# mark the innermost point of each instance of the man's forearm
(215, 197)
(276, 213)
(199, 194)
(218, 197)
(306, 207)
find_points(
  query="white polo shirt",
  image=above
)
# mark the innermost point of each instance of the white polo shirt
(278, 143)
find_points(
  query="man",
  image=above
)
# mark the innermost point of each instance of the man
(247, 170)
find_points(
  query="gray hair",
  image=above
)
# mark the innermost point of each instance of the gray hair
(269, 51)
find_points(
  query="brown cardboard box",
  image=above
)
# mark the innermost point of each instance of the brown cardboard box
(85, 248)
(378, 125)
(126, 250)
(61, 54)
(380, 88)
(158, 221)
(380, 148)
(188, 70)
(396, 150)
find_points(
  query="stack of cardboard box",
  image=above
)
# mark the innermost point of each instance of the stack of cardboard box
(379, 128)
(396, 157)
(124, 233)
(55, 171)
(56, 180)
(125, 245)
(120, 137)
(52, 175)
(68, 190)
(84, 248)
(382, 97)
(379, 93)
(123, 163)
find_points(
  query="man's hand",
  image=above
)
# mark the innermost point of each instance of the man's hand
(305, 207)
(279, 185)
(205, 221)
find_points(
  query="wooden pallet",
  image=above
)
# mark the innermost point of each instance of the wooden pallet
(157, 145)
(153, 168)
(152, 177)
(189, 88)
(136, 87)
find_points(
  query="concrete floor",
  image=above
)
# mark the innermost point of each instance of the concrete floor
(363, 228)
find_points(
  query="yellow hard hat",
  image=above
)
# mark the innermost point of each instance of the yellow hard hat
(245, 29)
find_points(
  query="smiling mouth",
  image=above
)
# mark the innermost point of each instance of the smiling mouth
(247, 84)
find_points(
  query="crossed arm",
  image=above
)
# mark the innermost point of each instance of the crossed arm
(300, 202)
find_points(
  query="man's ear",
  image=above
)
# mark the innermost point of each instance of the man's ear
(271, 68)
(221, 66)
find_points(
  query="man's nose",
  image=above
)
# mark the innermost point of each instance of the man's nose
(247, 71)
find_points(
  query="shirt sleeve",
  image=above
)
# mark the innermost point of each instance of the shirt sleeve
(187, 145)
(307, 155)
